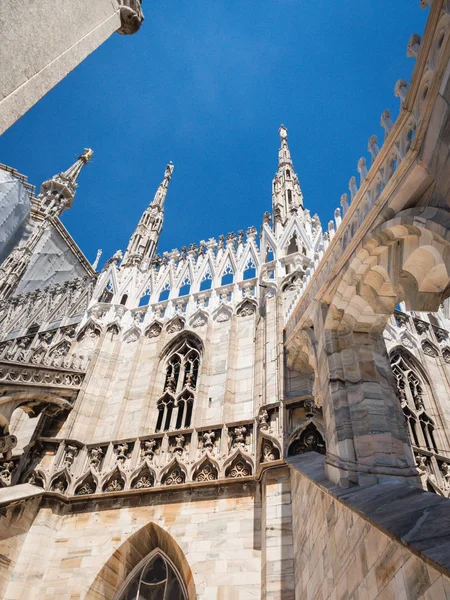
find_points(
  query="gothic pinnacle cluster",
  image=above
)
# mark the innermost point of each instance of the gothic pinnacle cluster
(143, 242)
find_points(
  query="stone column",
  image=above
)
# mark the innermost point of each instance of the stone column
(366, 433)
(277, 540)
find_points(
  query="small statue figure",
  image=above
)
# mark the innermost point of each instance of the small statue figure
(264, 420)
(148, 449)
(179, 443)
(208, 440)
(6, 470)
(71, 452)
(239, 434)
(121, 451)
(96, 457)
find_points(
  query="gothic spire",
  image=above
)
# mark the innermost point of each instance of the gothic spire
(143, 242)
(287, 196)
(57, 194)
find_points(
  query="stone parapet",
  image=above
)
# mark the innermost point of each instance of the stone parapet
(378, 541)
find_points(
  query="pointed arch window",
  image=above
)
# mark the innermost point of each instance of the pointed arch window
(155, 578)
(414, 401)
(182, 370)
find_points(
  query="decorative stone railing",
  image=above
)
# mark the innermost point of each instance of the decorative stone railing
(12, 373)
(389, 163)
(188, 456)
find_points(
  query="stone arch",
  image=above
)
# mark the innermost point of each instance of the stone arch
(238, 465)
(60, 482)
(114, 481)
(269, 448)
(143, 477)
(407, 259)
(174, 474)
(182, 337)
(309, 437)
(87, 484)
(129, 555)
(206, 469)
(32, 403)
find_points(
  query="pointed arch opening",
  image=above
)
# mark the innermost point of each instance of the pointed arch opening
(138, 560)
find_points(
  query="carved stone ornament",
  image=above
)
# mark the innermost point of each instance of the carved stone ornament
(85, 489)
(269, 452)
(208, 440)
(175, 476)
(6, 469)
(59, 485)
(239, 469)
(95, 457)
(206, 473)
(115, 485)
(175, 326)
(310, 440)
(148, 449)
(401, 319)
(429, 349)
(71, 452)
(179, 443)
(441, 334)
(154, 330)
(223, 315)
(264, 420)
(143, 481)
(421, 326)
(199, 321)
(122, 450)
(446, 354)
(247, 309)
(239, 434)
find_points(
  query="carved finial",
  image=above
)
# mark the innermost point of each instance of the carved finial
(362, 168)
(97, 258)
(400, 90)
(352, 187)
(373, 146)
(386, 121)
(413, 47)
(344, 203)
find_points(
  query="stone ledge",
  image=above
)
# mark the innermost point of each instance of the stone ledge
(417, 519)
(17, 493)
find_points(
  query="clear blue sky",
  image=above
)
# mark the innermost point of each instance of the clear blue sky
(206, 85)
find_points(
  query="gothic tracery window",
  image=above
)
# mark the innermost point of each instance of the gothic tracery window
(411, 395)
(176, 404)
(155, 578)
(432, 465)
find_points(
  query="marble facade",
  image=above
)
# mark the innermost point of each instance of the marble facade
(267, 414)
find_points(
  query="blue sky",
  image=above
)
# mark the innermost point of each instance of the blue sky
(206, 85)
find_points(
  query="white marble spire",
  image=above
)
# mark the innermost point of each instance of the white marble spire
(287, 196)
(143, 242)
(57, 194)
